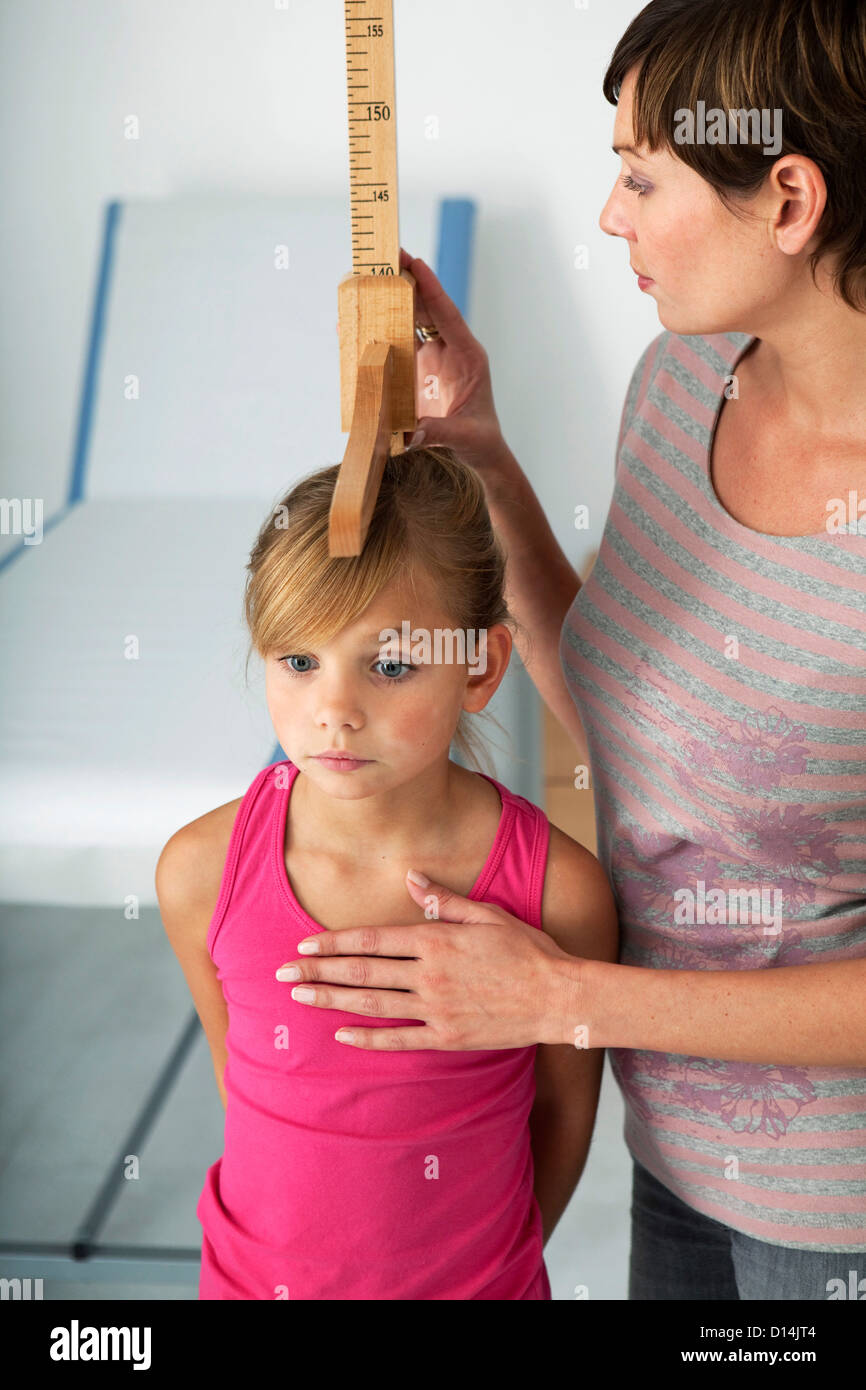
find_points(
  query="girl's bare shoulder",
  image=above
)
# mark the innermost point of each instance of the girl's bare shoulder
(578, 907)
(190, 866)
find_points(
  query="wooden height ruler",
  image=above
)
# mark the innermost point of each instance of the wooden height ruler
(372, 137)
(377, 300)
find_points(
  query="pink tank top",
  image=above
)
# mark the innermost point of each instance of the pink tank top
(347, 1173)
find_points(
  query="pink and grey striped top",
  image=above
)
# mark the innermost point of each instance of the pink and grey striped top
(720, 675)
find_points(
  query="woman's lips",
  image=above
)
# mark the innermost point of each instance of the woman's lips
(644, 282)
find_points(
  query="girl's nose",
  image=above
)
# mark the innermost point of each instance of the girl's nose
(339, 710)
(339, 719)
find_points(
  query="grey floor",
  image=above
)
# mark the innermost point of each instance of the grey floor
(111, 1117)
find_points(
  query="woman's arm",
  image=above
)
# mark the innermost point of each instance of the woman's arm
(491, 985)
(540, 583)
(790, 1015)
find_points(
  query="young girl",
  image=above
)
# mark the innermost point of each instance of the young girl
(359, 1174)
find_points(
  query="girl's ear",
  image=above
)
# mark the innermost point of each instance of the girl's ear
(486, 665)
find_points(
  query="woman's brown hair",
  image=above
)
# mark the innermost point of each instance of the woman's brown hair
(805, 58)
(430, 519)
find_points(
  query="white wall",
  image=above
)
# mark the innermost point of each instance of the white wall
(243, 95)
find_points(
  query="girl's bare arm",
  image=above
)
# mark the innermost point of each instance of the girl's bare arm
(579, 912)
(188, 876)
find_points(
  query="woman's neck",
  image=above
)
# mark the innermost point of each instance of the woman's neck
(810, 367)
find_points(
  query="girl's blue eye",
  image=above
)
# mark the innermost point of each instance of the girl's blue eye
(638, 188)
(394, 679)
(391, 675)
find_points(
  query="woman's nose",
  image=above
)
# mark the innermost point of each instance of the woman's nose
(614, 219)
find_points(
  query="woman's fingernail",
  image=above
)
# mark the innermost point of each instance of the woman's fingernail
(417, 438)
(289, 972)
(421, 881)
(303, 995)
(343, 1035)
(308, 948)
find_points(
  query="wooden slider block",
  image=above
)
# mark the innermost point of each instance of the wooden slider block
(378, 309)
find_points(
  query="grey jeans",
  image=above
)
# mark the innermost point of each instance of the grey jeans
(678, 1253)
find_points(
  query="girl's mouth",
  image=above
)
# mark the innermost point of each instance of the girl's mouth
(341, 762)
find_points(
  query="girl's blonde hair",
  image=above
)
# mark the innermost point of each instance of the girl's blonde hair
(430, 518)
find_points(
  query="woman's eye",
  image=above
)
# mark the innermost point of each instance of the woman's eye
(638, 188)
(395, 670)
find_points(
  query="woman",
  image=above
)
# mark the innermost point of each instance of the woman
(715, 661)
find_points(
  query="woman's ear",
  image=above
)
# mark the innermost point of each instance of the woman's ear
(798, 196)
